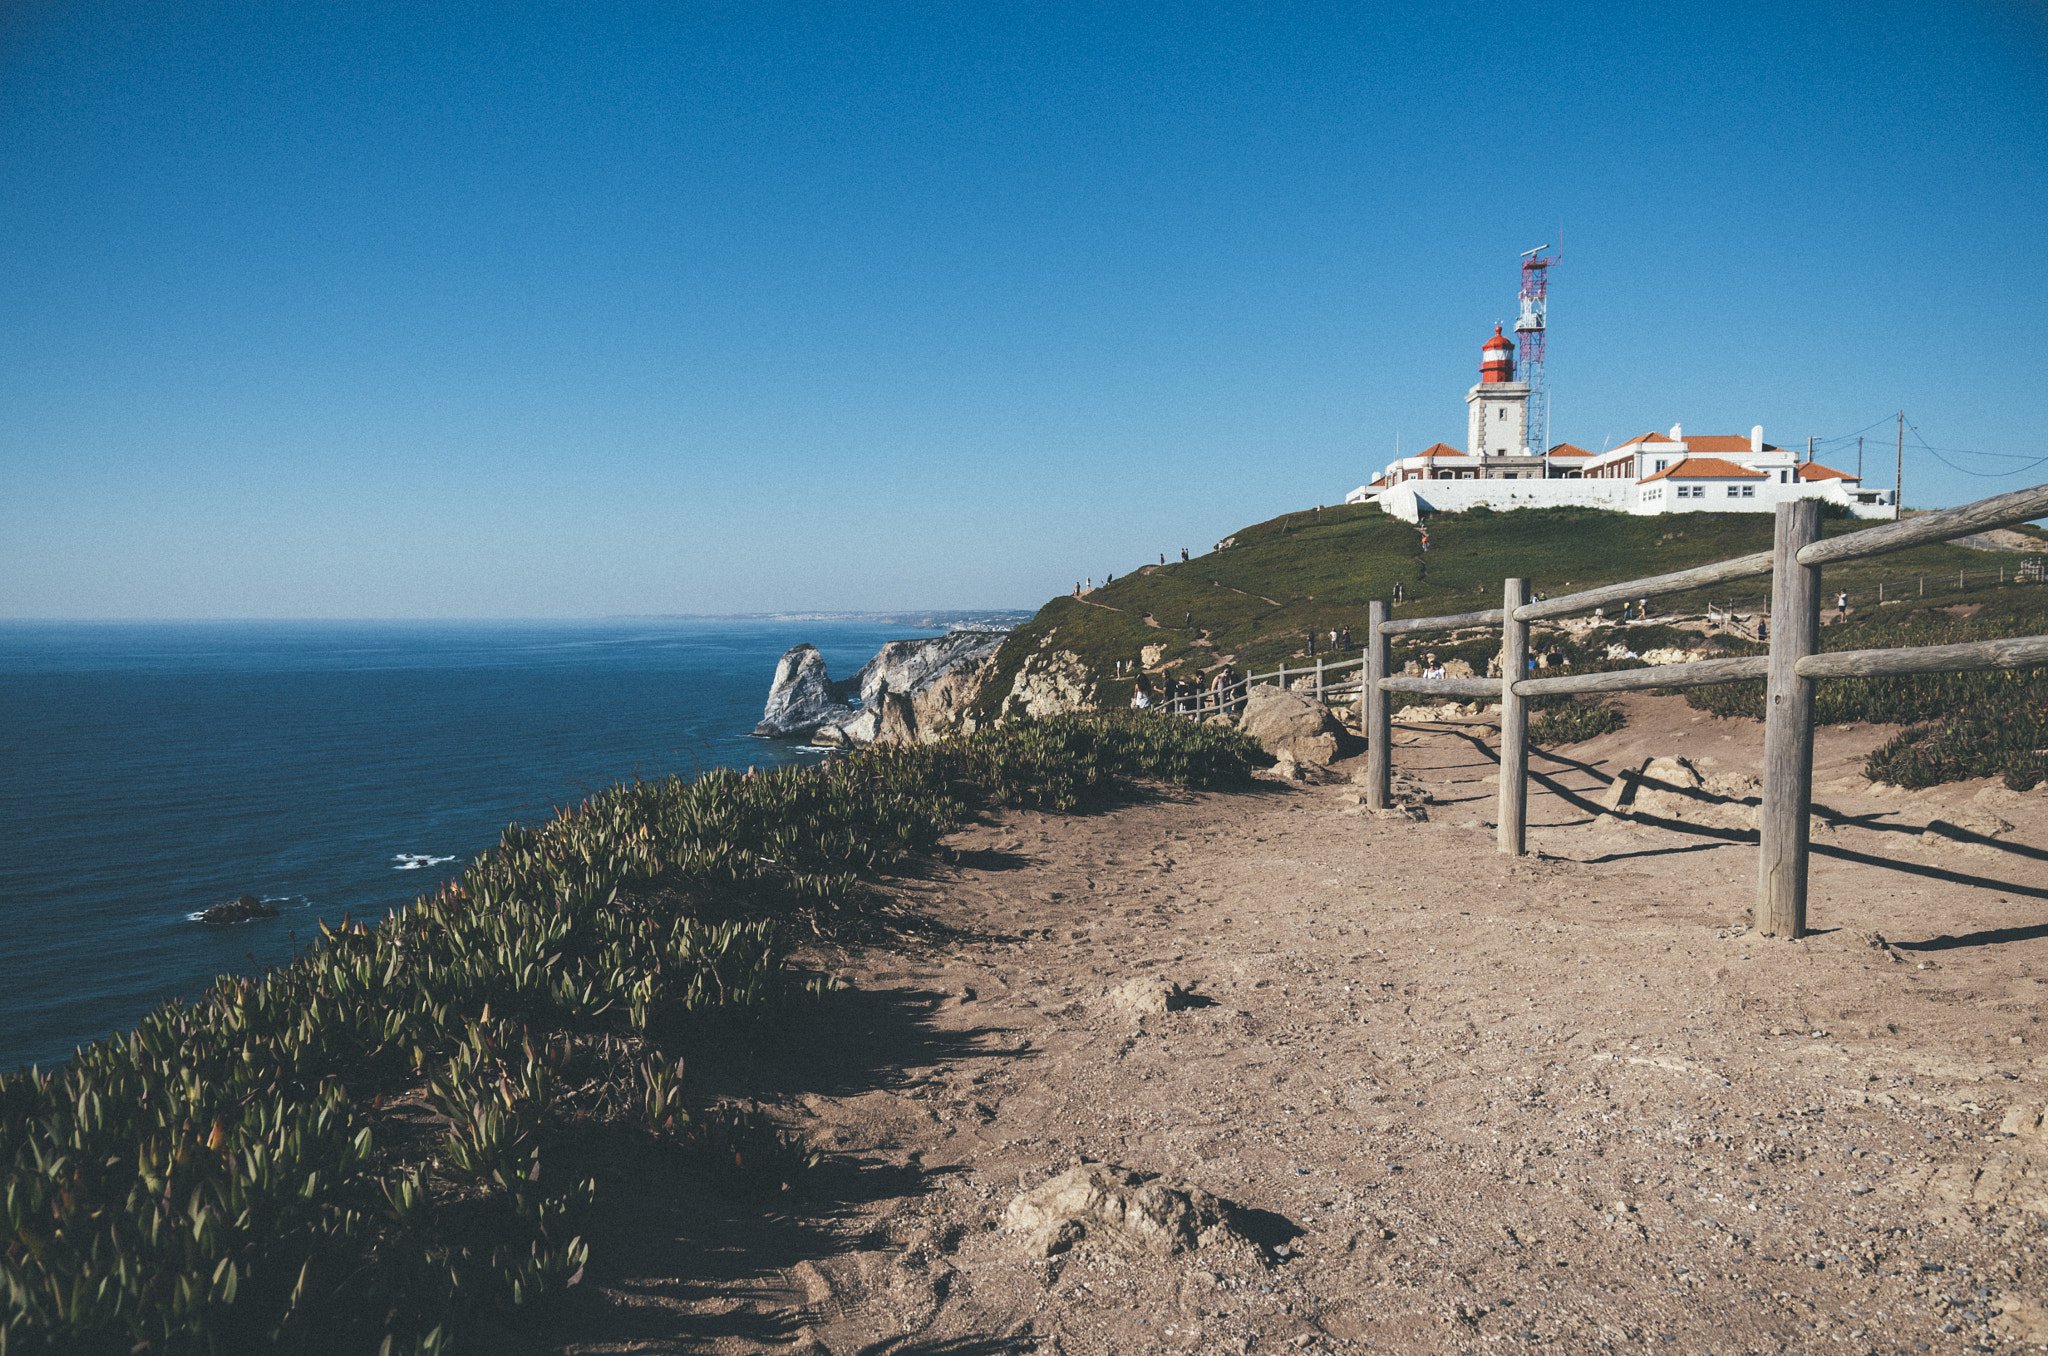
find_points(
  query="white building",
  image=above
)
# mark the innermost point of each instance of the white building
(1653, 473)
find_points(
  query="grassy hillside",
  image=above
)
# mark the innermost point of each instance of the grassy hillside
(1316, 570)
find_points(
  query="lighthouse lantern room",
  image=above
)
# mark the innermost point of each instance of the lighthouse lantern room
(1498, 422)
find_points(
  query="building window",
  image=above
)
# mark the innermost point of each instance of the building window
(1735, 491)
(1659, 465)
(1749, 491)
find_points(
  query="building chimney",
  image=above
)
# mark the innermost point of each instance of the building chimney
(1756, 438)
(1678, 433)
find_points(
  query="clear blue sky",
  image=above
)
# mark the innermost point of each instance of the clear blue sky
(423, 309)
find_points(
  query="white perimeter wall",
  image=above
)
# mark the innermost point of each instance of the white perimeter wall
(1411, 498)
(1408, 500)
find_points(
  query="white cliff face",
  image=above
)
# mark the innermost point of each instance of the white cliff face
(909, 666)
(911, 691)
(802, 697)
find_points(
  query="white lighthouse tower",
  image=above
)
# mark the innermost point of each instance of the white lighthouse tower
(1497, 422)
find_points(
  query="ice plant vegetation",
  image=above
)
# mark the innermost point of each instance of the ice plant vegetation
(230, 1176)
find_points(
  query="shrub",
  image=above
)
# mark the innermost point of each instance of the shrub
(220, 1178)
(1574, 724)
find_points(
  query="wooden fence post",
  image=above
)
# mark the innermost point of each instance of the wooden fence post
(1514, 723)
(1372, 712)
(1319, 677)
(1788, 726)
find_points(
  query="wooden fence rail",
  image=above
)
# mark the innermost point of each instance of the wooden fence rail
(1790, 669)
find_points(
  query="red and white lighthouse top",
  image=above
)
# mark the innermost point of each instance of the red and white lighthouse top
(1497, 358)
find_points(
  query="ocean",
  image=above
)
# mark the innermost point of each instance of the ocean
(153, 770)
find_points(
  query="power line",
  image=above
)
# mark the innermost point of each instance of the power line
(1964, 470)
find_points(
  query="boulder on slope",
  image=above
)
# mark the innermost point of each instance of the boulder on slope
(1293, 723)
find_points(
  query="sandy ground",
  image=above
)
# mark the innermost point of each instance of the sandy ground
(1464, 1102)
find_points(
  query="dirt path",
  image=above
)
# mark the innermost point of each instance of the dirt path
(1560, 1103)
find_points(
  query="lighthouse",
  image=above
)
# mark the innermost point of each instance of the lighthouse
(1498, 421)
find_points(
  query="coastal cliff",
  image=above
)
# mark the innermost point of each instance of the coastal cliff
(912, 691)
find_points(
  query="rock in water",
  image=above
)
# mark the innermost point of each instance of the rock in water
(1294, 724)
(802, 697)
(912, 691)
(1115, 1208)
(239, 910)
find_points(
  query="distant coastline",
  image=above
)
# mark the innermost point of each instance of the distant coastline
(963, 619)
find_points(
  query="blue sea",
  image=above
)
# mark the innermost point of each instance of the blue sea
(149, 771)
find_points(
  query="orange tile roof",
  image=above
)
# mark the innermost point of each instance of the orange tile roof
(1813, 470)
(1439, 450)
(1650, 437)
(1707, 468)
(1567, 450)
(1723, 442)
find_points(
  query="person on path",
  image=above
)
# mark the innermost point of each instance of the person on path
(1841, 605)
(1399, 592)
(1188, 622)
(1344, 639)
(1310, 637)
(1183, 555)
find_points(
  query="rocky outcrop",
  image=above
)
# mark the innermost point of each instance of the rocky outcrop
(910, 666)
(803, 696)
(1294, 724)
(1672, 788)
(911, 691)
(943, 706)
(1050, 683)
(239, 910)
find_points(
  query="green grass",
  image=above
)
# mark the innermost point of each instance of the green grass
(1320, 569)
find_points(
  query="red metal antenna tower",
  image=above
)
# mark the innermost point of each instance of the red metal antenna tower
(1530, 327)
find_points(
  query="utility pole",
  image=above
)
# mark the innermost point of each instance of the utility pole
(1809, 449)
(1859, 459)
(1899, 474)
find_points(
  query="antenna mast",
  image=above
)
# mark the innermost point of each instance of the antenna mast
(1529, 331)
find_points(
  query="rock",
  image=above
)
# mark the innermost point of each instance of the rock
(857, 729)
(1150, 655)
(1150, 993)
(911, 691)
(909, 666)
(802, 697)
(1049, 683)
(941, 705)
(895, 720)
(1672, 788)
(1120, 1210)
(239, 910)
(1294, 724)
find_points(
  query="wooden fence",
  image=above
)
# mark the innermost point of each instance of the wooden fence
(1794, 563)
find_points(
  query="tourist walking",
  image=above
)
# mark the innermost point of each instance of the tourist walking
(1141, 696)
(1841, 605)
(1399, 592)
